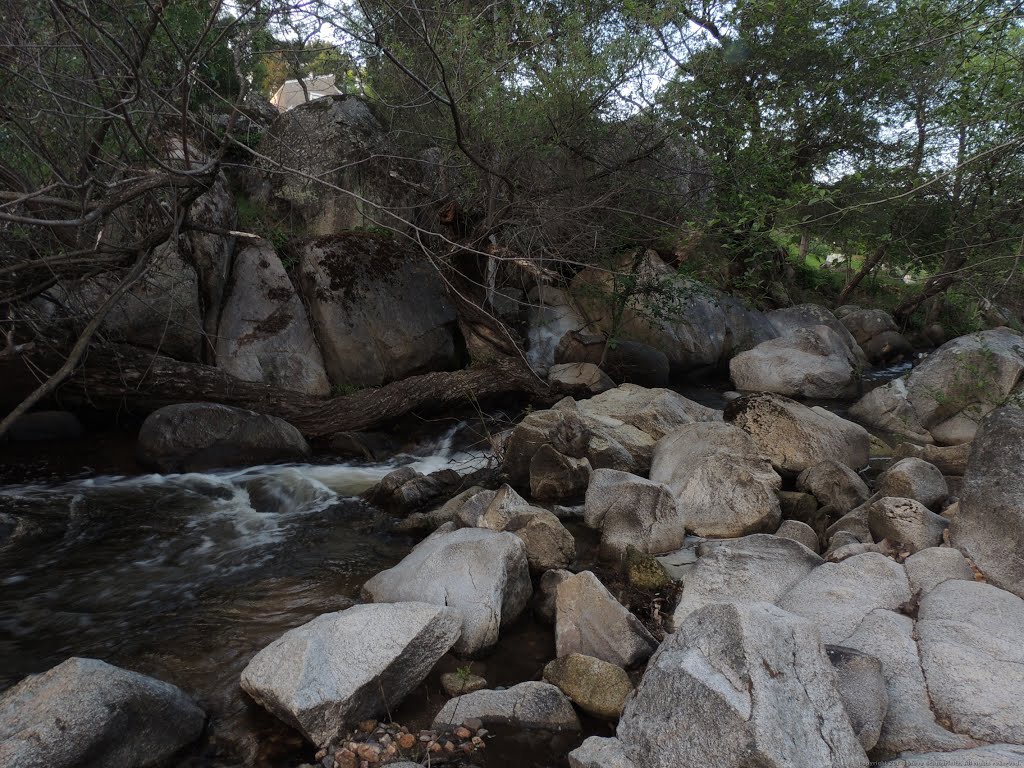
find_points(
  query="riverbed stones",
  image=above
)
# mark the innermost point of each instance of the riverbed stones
(87, 712)
(759, 690)
(752, 568)
(861, 686)
(595, 686)
(796, 437)
(264, 333)
(837, 596)
(914, 478)
(632, 511)
(944, 398)
(834, 484)
(190, 437)
(589, 620)
(970, 640)
(813, 362)
(906, 521)
(530, 705)
(480, 573)
(722, 484)
(989, 525)
(347, 666)
(928, 568)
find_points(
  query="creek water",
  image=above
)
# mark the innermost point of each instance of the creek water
(185, 577)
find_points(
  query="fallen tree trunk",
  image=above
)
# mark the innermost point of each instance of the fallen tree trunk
(124, 378)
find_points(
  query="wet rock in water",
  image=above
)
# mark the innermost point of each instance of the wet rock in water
(795, 437)
(799, 532)
(759, 690)
(752, 568)
(547, 592)
(722, 484)
(405, 490)
(555, 476)
(457, 683)
(632, 511)
(531, 705)
(905, 521)
(191, 437)
(563, 429)
(915, 479)
(943, 399)
(989, 526)
(909, 724)
(812, 362)
(862, 688)
(87, 712)
(930, 567)
(45, 425)
(973, 659)
(590, 621)
(833, 484)
(585, 377)
(950, 459)
(837, 596)
(644, 572)
(264, 333)
(343, 667)
(989, 756)
(598, 752)
(481, 574)
(788, 320)
(597, 687)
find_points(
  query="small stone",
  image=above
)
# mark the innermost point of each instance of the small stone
(367, 726)
(449, 747)
(435, 747)
(385, 739)
(463, 732)
(478, 742)
(458, 683)
(406, 741)
(425, 737)
(473, 723)
(644, 572)
(390, 751)
(466, 748)
(369, 752)
(481, 732)
(321, 755)
(346, 758)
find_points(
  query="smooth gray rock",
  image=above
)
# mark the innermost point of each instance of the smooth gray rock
(906, 521)
(812, 362)
(758, 690)
(950, 459)
(590, 621)
(633, 511)
(928, 568)
(547, 592)
(989, 525)
(85, 712)
(909, 724)
(722, 484)
(795, 437)
(837, 596)
(752, 568)
(580, 376)
(548, 543)
(597, 687)
(914, 478)
(528, 705)
(834, 484)
(973, 659)
(264, 333)
(344, 667)
(799, 532)
(854, 522)
(789, 319)
(190, 437)
(943, 399)
(555, 476)
(482, 574)
(598, 752)
(862, 688)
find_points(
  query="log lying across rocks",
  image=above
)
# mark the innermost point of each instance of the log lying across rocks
(124, 378)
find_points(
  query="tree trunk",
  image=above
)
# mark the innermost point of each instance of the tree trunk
(865, 269)
(934, 286)
(119, 377)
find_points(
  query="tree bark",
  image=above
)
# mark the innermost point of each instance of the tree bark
(865, 270)
(119, 377)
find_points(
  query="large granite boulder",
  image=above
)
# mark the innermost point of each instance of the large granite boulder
(812, 362)
(480, 573)
(970, 640)
(379, 309)
(877, 334)
(722, 483)
(264, 332)
(530, 705)
(989, 527)
(944, 398)
(789, 320)
(85, 712)
(905, 521)
(916, 479)
(548, 544)
(758, 690)
(834, 485)
(796, 437)
(190, 437)
(597, 687)
(633, 511)
(929, 567)
(344, 667)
